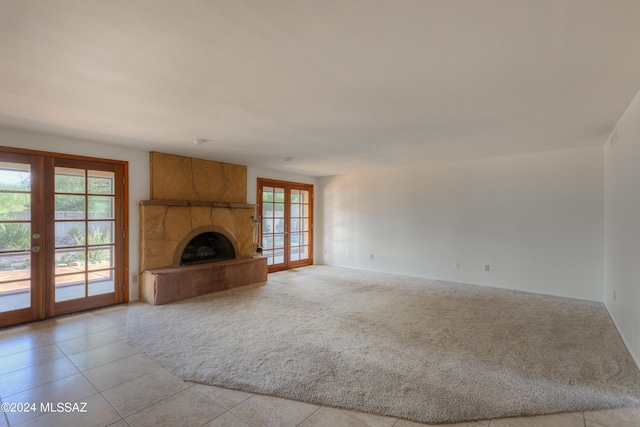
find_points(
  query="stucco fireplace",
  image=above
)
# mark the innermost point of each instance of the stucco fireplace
(196, 232)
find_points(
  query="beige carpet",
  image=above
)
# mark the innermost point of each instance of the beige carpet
(418, 349)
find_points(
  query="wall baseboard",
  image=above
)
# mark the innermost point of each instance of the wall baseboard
(636, 358)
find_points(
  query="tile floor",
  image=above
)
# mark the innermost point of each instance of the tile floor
(85, 359)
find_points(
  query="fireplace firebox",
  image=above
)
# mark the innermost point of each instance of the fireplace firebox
(207, 247)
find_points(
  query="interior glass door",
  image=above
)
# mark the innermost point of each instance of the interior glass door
(273, 227)
(300, 227)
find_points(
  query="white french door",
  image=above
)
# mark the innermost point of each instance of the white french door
(287, 223)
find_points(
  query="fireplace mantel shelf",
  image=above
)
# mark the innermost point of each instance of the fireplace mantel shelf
(197, 203)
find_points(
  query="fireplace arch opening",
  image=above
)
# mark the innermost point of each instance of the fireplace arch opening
(207, 247)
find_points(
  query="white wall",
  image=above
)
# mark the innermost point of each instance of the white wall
(622, 227)
(138, 176)
(536, 219)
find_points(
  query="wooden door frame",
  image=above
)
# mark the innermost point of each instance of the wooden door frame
(288, 186)
(121, 290)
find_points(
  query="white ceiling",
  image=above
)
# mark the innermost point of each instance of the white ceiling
(339, 85)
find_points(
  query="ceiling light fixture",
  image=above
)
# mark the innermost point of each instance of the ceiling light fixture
(200, 141)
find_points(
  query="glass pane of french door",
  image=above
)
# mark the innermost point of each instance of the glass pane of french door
(273, 225)
(21, 299)
(299, 214)
(84, 233)
(15, 236)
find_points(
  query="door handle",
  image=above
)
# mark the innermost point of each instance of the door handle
(35, 249)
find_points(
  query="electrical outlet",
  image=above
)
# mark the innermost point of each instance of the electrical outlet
(370, 256)
(457, 265)
(134, 278)
(486, 267)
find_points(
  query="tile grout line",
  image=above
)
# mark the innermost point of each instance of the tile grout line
(309, 416)
(122, 418)
(86, 335)
(22, 351)
(96, 388)
(97, 391)
(68, 357)
(238, 416)
(46, 383)
(148, 406)
(227, 410)
(92, 385)
(4, 414)
(109, 403)
(348, 412)
(92, 348)
(103, 364)
(79, 372)
(40, 329)
(35, 364)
